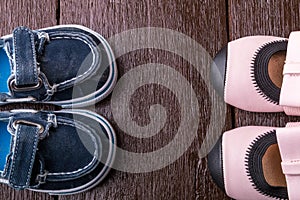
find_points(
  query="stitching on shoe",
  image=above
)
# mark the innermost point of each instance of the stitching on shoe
(31, 160)
(253, 165)
(92, 67)
(67, 122)
(32, 49)
(259, 70)
(64, 121)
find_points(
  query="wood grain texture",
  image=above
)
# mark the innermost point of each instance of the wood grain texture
(270, 17)
(34, 14)
(203, 21)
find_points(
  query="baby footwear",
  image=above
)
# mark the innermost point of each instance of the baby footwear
(67, 65)
(260, 73)
(61, 152)
(258, 162)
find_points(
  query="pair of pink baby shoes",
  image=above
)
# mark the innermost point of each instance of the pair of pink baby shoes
(261, 74)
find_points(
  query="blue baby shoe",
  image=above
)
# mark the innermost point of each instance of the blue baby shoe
(57, 152)
(66, 65)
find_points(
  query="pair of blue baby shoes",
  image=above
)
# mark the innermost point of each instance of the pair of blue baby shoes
(57, 152)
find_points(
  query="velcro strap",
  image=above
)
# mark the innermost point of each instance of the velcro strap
(26, 72)
(288, 141)
(24, 151)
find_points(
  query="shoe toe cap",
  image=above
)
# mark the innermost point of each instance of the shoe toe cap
(218, 70)
(215, 164)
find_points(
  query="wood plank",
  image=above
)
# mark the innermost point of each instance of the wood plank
(204, 22)
(272, 17)
(34, 14)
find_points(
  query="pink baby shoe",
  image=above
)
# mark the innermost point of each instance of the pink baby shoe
(260, 73)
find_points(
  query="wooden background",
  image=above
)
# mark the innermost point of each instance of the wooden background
(212, 23)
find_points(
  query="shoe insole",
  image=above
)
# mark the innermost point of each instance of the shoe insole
(275, 67)
(5, 138)
(4, 134)
(271, 163)
(4, 71)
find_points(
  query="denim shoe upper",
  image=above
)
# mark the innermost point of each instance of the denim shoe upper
(62, 64)
(56, 152)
